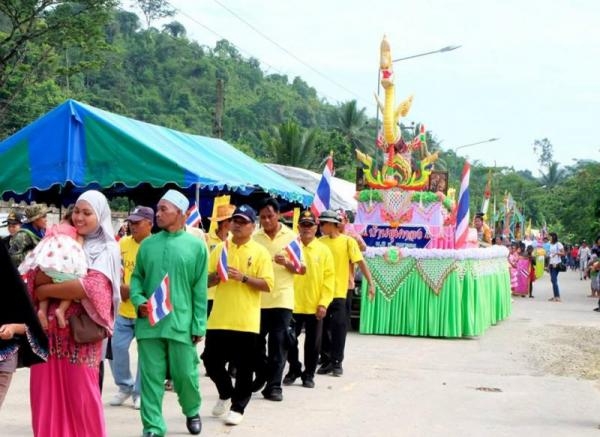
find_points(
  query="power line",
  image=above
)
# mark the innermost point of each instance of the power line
(289, 53)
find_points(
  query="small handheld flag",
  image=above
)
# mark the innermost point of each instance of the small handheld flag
(323, 195)
(159, 304)
(462, 214)
(295, 253)
(194, 218)
(222, 264)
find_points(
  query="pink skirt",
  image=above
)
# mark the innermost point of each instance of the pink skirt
(66, 400)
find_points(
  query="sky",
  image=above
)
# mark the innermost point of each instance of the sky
(526, 69)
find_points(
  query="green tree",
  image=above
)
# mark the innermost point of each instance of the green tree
(291, 145)
(155, 9)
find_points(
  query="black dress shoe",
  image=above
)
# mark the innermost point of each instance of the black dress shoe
(272, 395)
(194, 424)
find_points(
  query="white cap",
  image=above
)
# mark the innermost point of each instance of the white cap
(177, 199)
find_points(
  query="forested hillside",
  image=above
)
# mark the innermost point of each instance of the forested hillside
(94, 52)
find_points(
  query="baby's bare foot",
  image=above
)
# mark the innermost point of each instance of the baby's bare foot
(60, 318)
(43, 319)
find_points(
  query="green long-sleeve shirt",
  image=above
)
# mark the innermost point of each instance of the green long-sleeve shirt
(185, 258)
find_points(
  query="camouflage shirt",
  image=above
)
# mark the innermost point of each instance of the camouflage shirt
(21, 244)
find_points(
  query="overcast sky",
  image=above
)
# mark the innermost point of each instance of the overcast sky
(527, 69)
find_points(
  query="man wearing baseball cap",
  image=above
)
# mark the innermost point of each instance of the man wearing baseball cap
(178, 259)
(234, 322)
(346, 253)
(30, 234)
(140, 222)
(313, 293)
(13, 224)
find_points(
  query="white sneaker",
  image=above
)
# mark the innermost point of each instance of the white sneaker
(119, 398)
(221, 407)
(234, 418)
(137, 402)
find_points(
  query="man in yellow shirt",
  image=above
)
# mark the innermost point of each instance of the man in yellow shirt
(140, 223)
(313, 293)
(234, 322)
(217, 236)
(277, 306)
(346, 253)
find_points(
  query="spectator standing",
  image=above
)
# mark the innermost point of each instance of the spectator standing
(584, 256)
(22, 340)
(276, 306)
(30, 234)
(234, 323)
(140, 223)
(179, 258)
(556, 252)
(13, 224)
(313, 293)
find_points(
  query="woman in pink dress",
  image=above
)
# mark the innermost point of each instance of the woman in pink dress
(64, 392)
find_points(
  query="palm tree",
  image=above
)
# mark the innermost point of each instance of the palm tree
(291, 145)
(351, 124)
(554, 176)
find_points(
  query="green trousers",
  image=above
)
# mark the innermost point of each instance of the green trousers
(155, 354)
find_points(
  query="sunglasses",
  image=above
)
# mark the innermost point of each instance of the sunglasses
(306, 225)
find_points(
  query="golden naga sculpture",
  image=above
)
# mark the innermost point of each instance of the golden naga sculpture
(398, 170)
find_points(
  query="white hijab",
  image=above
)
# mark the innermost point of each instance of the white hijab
(100, 247)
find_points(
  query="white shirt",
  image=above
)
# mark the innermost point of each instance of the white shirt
(555, 249)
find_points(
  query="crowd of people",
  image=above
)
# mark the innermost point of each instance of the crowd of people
(248, 288)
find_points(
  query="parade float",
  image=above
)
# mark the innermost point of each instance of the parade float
(427, 284)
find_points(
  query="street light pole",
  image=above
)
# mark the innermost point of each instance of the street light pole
(442, 50)
(476, 144)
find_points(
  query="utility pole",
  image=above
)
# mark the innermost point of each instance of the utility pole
(218, 120)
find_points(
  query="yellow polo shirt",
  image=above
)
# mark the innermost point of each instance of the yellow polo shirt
(316, 286)
(236, 306)
(345, 250)
(129, 249)
(282, 296)
(212, 240)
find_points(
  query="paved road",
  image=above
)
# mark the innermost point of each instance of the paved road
(500, 384)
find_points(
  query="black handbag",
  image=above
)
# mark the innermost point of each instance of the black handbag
(85, 330)
(561, 267)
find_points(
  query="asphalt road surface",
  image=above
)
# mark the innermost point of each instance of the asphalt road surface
(534, 374)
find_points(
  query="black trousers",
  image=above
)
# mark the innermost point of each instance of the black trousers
(313, 329)
(239, 348)
(271, 355)
(335, 328)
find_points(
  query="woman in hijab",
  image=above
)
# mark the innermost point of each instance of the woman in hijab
(22, 340)
(64, 393)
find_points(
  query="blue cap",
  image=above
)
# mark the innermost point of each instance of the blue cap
(246, 212)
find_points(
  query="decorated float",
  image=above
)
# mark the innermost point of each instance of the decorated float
(429, 280)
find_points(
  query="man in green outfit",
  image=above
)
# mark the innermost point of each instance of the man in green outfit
(171, 342)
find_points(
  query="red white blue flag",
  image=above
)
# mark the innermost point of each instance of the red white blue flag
(159, 304)
(295, 253)
(194, 218)
(322, 199)
(222, 264)
(462, 213)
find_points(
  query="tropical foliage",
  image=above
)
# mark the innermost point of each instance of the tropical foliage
(90, 50)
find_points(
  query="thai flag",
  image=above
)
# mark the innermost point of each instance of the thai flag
(159, 304)
(462, 214)
(295, 253)
(322, 198)
(222, 264)
(194, 217)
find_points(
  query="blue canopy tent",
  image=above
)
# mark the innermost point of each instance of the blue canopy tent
(76, 147)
